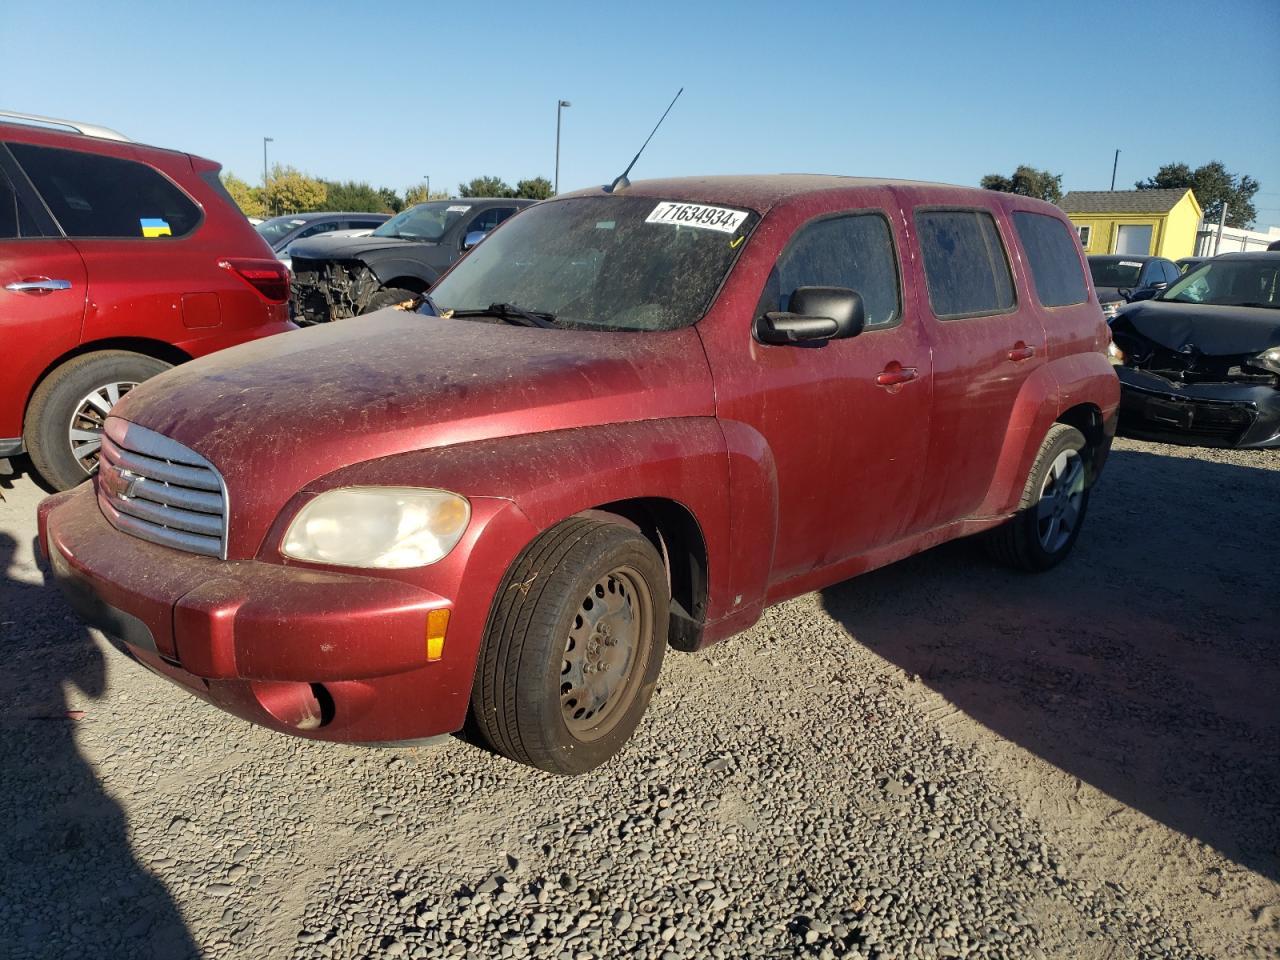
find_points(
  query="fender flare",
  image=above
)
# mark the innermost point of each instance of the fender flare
(1052, 389)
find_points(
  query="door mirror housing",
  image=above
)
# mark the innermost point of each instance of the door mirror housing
(472, 238)
(816, 314)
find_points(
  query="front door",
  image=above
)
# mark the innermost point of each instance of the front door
(846, 421)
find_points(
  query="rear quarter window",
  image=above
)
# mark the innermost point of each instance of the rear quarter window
(96, 196)
(1052, 259)
(966, 267)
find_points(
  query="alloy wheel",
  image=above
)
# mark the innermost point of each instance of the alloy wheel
(84, 433)
(1061, 497)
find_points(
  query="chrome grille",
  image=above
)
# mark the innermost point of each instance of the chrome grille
(158, 490)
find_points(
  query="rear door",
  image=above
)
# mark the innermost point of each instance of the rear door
(42, 294)
(986, 344)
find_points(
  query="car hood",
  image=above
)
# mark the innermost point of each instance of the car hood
(348, 248)
(276, 414)
(1211, 330)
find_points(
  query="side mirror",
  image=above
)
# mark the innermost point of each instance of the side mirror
(816, 314)
(1147, 293)
(472, 238)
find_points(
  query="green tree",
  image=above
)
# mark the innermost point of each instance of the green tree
(354, 195)
(535, 188)
(247, 198)
(291, 191)
(418, 193)
(391, 202)
(486, 187)
(1213, 185)
(1027, 181)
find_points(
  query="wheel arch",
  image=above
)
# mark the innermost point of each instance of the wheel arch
(674, 531)
(156, 349)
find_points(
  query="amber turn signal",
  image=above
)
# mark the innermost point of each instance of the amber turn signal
(437, 624)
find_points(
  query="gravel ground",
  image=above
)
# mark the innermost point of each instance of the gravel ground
(940, 759)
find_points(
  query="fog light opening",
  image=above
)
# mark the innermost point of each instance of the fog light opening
(303, 706)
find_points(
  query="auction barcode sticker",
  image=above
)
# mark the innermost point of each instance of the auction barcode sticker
(697, 215)
(458, 208)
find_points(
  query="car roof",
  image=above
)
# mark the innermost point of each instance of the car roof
(763, 191)
(321, 214)
(1264, 255)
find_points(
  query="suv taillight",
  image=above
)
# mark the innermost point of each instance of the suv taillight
(269, 277)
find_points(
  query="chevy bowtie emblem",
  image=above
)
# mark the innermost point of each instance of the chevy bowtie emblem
(132, 484)
(120, 483)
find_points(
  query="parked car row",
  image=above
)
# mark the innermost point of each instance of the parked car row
(281, 232)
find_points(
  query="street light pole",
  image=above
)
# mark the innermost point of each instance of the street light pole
(560, 105)
(265, 141)
(1115, 163)
(427, 177)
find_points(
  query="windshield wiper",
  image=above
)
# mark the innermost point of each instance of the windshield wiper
(517, 316)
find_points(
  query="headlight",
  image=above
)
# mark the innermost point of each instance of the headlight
(386, 527)
(1115, 354)
(1268, 359)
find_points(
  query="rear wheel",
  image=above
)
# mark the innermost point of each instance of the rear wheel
(388, 297)
(573, 647)
(63, 429)
(1053, 505)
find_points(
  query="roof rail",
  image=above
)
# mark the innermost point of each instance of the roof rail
(86, 129)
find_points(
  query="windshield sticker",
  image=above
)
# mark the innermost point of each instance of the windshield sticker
(459, 208)
(1130, 263)
(154, 227)
(697, 215)
(605, 224)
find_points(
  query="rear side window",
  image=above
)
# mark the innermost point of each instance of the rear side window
(846, 251)
(15, 221)
(95, 196)
(965, 264)
(1052, 258)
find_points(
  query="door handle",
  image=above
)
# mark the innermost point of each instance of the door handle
(37, 285)
(1021, 351)
(895, 374)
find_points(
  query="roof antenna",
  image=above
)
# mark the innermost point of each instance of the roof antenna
(621, 183)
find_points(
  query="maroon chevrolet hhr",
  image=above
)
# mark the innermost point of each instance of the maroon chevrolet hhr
(627, 420)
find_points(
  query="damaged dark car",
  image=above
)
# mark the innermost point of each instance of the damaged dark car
(337, 277)
(1200, 363)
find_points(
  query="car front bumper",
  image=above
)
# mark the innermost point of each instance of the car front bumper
(1239, 415)
(312, 652)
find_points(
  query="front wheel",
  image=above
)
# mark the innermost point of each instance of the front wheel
(573, 647)
(1053, 505)
(63, 429)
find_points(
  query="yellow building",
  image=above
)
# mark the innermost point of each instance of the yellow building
(1160, 223)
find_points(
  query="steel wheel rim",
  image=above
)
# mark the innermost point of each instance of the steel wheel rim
(84, 432)
(1061, 498)
(599, 667)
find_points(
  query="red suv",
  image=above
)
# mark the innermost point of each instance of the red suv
(627, 419)
(116, 261)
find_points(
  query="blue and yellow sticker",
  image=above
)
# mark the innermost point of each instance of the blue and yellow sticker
(155, 227)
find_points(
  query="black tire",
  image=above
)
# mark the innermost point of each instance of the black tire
(58, 399)
(519, 703)
(1021, 542)
(388, 297)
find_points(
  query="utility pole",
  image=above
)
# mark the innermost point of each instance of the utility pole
(427, 177)
(1222, 223)
(1114, 164)
(265, 141)
(560, 105)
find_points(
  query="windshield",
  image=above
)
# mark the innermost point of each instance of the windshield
(1254, 283)
(426, 221)
(1115, 273)
(277, 228)
(613, 263)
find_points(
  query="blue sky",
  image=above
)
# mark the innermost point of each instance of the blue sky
(392, 91)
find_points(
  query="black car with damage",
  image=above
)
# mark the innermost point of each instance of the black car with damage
(1200, 363)
(336, 277)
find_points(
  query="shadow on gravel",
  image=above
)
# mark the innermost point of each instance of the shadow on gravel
(1146, 665)
(69, 886)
